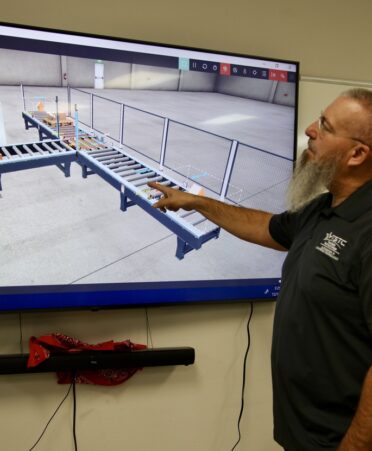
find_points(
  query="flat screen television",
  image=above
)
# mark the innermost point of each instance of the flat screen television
(86, 121)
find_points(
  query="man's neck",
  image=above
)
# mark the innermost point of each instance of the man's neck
(342, 190)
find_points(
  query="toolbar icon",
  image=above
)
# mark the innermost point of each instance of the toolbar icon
(278, 75)
(183, 64)
(204, 66)
(225, 69)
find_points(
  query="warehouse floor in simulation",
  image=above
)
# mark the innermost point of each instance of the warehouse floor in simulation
(68, 230)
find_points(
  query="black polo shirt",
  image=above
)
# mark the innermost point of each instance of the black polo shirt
(322, 338)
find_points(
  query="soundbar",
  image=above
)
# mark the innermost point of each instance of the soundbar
(91, 360)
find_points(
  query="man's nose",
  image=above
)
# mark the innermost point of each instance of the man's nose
(312, 130)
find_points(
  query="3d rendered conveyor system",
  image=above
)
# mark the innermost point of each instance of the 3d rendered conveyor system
(57, 146)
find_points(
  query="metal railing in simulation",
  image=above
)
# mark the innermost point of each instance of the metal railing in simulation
(130, 176)
(37, 98)
(267, 181)
(231, 169)
(63, 141)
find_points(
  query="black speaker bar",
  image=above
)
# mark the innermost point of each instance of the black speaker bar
(91, 360)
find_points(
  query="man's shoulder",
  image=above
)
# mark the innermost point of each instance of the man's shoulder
(319, 203)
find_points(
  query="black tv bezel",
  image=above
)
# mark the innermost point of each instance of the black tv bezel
(88, 292)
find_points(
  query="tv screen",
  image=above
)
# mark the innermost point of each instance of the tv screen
(87, 121)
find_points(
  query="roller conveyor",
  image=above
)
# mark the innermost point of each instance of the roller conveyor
(65, 131)
(28, 151)
(122, 171)
(18, 157)
(192, 229)
(35, 120)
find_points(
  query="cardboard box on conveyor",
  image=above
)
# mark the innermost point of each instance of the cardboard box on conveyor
(63, 119)
(86, 143)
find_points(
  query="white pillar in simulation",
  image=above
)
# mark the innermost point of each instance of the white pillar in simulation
(99, 80)
(2, 127)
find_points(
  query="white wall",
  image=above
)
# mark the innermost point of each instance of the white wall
(197, 81)
(331, 39)
(80, 72)
(315, 94)
(29, 68)
(193, 408)
(170, 408)
(118, 75)
(42, 69)
(157, 78)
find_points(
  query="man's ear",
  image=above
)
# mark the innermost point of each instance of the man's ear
(359, 154)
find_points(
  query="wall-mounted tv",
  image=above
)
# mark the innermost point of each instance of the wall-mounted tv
(87, 121)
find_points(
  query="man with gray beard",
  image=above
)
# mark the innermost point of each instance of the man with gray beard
(309, 180)
(322, 335)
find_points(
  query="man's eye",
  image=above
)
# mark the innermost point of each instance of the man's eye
(325, 128)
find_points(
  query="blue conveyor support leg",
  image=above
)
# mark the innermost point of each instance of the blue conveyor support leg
(125, 202)
(182, 248)
(65, 168)
(85, 171)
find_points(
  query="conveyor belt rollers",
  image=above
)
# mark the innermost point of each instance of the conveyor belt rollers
(131, 177)
(124, 172)
(17, 151)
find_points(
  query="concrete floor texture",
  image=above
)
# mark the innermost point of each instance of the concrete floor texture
(58, 230)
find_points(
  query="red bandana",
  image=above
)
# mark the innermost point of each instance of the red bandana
(41, 348)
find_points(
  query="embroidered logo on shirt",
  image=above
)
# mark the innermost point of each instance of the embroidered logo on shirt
(332, 245)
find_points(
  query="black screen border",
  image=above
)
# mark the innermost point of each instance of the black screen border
(124, 295)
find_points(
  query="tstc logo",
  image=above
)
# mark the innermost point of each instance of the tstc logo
(332, 245)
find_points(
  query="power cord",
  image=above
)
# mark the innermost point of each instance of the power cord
(73, 387)
(74, 411)
(148, 329)
(20, 332)
(244, 373)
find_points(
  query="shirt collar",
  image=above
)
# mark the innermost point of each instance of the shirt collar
(359, 202)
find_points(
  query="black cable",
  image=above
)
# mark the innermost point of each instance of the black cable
(51, 418)
(74, 411)
(148, 330)
(244, 371)
(20, 332)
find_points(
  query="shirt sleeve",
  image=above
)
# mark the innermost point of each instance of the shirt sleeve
(282, 228)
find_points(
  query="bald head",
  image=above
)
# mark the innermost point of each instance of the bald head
(360, 122)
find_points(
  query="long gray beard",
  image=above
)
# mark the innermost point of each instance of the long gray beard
(309, 181)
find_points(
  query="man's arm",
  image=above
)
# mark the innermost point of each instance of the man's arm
(245, 223)
(359, 435)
